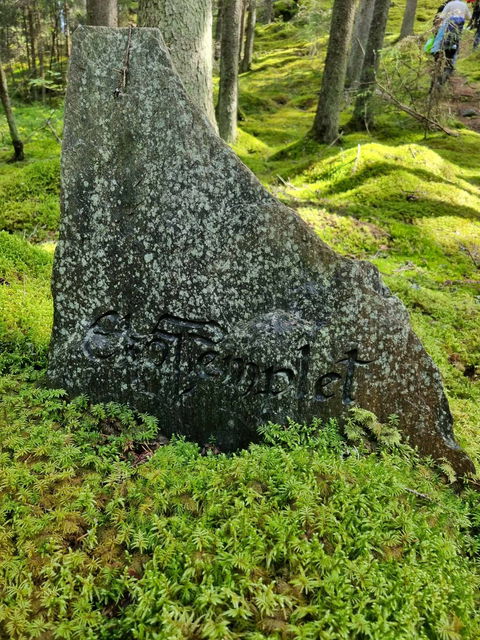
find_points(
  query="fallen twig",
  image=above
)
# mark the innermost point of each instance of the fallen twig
(124, 71)
(408, 266)
(471, 255)
(386, 95)
(449, 283)
(418, 494)
(49, 125)
(334, 142)
(357, 159)
(287, 184)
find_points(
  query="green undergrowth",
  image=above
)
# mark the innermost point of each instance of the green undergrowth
(25, 302)
(468, 65)
(29, 191)
(111, 532)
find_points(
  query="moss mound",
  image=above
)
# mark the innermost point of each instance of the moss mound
(25, 302)
(121, 536)
(29, 191)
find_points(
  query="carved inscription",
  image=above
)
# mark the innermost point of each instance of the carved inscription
(191, 351)
(326, 387)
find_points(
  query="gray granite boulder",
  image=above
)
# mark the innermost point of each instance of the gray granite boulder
(183, 288)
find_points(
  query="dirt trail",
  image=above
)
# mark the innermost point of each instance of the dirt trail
(465, 99)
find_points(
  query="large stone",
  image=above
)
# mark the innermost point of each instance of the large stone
(183, 288)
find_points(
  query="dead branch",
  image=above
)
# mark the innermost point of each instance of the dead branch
(424, 496)
(48, 124)
(357, 159)
(452, 283)
(471, 255)
(386, 95)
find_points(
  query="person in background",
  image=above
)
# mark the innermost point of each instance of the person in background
(437, 21)
(450, 20)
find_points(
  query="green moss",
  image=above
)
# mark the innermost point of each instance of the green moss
(469, 64)
(29, 191)
(292, 540)
(25, 302)
(348, 235)
(29, 198)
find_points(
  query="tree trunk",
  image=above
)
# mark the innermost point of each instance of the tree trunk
(228, 93)
(361, 29)
(250, 38)
(52, 44)
(408, 19)
(102, 13)
(186, 27)
(362, 115)
(66, 17)
(5, 99)
(33, 49)
(41, 57)
(33, 43)
(218, 29)
(41, 62)
(27, 40)
(268, 11)
(325, 126)
(242, 30)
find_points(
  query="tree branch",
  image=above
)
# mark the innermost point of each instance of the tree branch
(386, 95)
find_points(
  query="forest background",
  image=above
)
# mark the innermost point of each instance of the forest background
(102, 533)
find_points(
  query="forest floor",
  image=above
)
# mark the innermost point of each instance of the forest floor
(107, 531)
(464, 102)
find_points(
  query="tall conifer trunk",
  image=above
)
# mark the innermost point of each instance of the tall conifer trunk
(33, 47)
(218, 29)
(40, 49)
(5, 100)
(408, 19)
(363, 117)
(242, 30)
(250, 36)
(361, 29)
(27, 39)
(102, 13)
(186, 27)
(268, 11)
(227, 108)
(325, 126)
(66, 17)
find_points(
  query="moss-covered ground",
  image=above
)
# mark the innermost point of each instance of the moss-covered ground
(108, 531)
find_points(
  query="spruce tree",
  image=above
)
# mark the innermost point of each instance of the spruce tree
(186, 27)
(325, 126)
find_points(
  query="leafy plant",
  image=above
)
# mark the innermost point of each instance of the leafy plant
(292, 435)
(362, 427)
(290, 539)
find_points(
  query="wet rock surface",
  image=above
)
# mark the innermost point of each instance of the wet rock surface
(183, 288)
